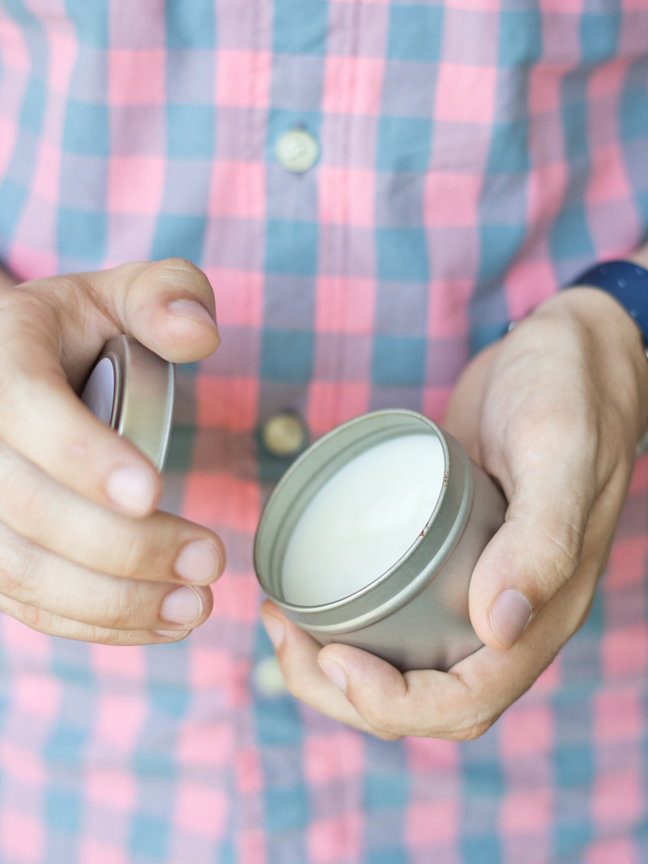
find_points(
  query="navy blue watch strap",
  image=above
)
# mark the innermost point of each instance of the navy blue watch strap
(627, 283)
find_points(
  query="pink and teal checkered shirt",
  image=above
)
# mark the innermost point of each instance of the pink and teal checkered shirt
(475, 154)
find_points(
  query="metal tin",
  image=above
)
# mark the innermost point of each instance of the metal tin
(133, 393)
(416, 614)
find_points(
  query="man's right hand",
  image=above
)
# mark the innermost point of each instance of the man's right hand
(83, 552)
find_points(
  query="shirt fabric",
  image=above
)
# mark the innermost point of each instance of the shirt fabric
(474, 155)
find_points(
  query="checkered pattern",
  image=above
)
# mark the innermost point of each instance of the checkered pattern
(474, 155)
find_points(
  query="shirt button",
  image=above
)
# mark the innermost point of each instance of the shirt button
(283, 434)
(267, 677)
(297, 151)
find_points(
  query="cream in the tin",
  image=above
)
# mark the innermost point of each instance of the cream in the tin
(363, 520)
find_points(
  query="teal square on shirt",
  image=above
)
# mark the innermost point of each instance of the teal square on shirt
(179, 237)
(149, 836)
(520, 37)
(90, 21)
(599, 37)
(570, 237)
(398, 361)
(81, 234)
(190, 24)
(509, 149)
(86, 129)
(63, 809)
(415, 33)
(291, 247)
(402, 254)
(300, 26)
(191, 131)
(287, 355)
(403, 144)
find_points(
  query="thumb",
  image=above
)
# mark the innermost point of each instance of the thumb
(166, 305)
(531, 557)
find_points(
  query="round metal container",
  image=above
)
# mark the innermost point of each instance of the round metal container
(131, 389)
(415, 615)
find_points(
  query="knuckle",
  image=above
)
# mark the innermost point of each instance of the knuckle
(558, 555)
(120, 605)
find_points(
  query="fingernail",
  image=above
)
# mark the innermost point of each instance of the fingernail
(334, 673)
(172, 634)
(182, 606)
(509, 615)
(275, 630)
(198, 561)
(192, 310)
(132, 488)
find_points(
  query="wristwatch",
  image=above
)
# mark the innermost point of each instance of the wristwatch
(628, 284)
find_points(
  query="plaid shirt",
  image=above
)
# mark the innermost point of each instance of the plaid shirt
(475, 154)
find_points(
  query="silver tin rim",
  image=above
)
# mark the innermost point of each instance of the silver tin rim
(415, 569)
(144, 393)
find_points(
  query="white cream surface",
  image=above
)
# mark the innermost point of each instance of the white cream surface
(363, 520)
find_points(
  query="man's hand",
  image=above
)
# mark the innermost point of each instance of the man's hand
(553, 412)
(83, 554)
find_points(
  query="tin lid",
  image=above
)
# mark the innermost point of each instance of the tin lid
(131, 389)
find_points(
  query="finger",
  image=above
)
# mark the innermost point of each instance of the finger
(46, 343)
(160, 548)
(297, 653)
(35, 577)
(54, 625)
(167, 305)
(463, 703)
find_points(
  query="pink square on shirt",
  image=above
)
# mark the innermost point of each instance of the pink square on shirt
(618, 799)
(48, 171)
(524, 812)
(434, 402)
(243, 78)
(108, 660)
(525, 730)
(624, 652)
(248, 770)
(252, 847)
(8, 137)
(627, 563)
(13, 48)
(21, 837)
(27, 263)
(201, 809)
(36, 695)
(239, 296)
(478, 5)
(112, 788)
(205, 744)
(94, 851)
(136, 77)
(527, 284)
(331, 403)
(564, 7)
(608, 180)
(346, 196)
(617, 850)
(353, 85)
(451, 199)
(618, 715)
(432, 822)
(447, 308)
(136, 184)
(345, 304)
(429, 755)
(228, 403)
(608, 79)
(221, 499)
(465, 94)
(330, 757)
(237, 190)
(63, 49)
(120, 719)
(335, 839)
(23, 763)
